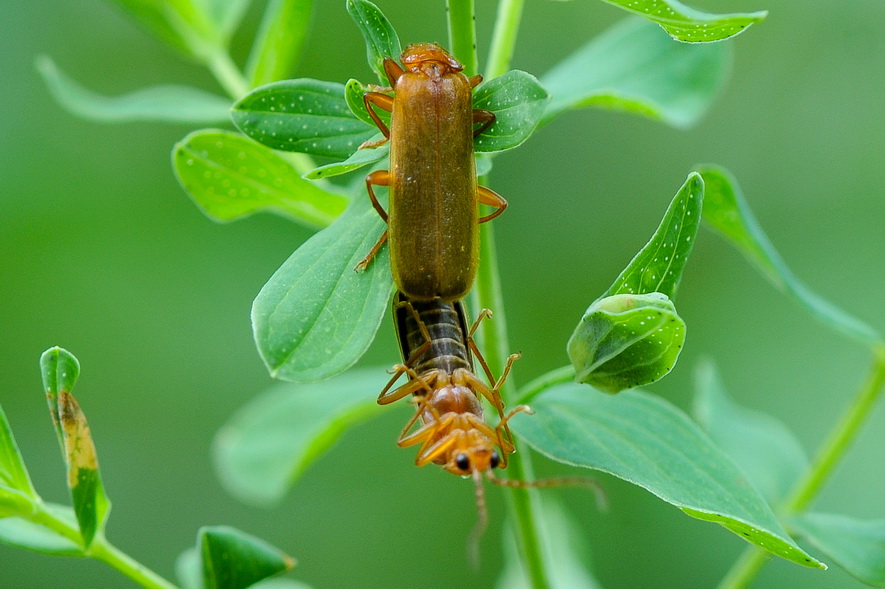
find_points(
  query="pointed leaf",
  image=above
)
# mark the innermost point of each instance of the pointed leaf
(625, 341)
(763, 447)
(230, 176)
(518, 101)
(306, 116)
(280, 40)
(354, 91)
(650, 443)
(690, 25)
(16, 489)
(235, 560)
(316, 316)
(269, 443)
(658, 266)
(172, 104)
(60, 370)
(381, 40)
(858, 546)
(360, 158)
(226, 14)
(22, 533)
(727, 212)
(636, 67)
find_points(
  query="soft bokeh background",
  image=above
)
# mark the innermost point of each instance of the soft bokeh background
(101, 252)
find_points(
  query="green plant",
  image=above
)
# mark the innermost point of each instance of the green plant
(607, 347)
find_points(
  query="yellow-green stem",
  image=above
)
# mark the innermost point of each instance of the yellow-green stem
(462, 33)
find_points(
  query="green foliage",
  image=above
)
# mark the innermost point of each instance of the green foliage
(284, 30)
(232, 559)
(518, 101)
(316, 316)
(763, 447)
(856, 545)
(381, 40)
(253, 178)
(726, 211)
(632, 335)
(30, 535)
(636, 68)
(91, 505)
(174, 104)
(271, 441)
(689, 25)
(16, 490)
(645, 440)
(306, 116)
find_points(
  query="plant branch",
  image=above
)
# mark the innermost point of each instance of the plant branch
(101, 550)
(462, 33)
(504, 37)
(545, 381)
(831, 453)
(227, 74)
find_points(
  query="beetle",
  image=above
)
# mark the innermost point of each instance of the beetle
(433, 224)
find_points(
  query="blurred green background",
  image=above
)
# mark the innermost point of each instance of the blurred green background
(101, 252)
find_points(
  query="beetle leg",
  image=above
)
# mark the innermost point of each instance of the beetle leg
(412, 387)
(474, 80)
(393, 71)
(384, 102)
(490, 197)
(486, 117)
(378, 178)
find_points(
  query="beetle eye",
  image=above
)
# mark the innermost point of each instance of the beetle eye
(462, 461)
(495, 459)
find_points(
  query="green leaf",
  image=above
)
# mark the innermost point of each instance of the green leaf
(690, 25)
(230, 176)
(381, 40)
(173, 104)
(316, 316)
(183, 24)
(858, 546)
(564, 549)
(354, 91)
(280, 41)
(727, 212)
(16, 490)
(269, 443)
(188, 569)
(625, 341)
(22, 533)
(763, 447)
(635, 67)
(360, 158)
(307, 116)
(518, 101)
(645, 440)
(658, 266)
(60, 371)
(226, 14)
(235, 560)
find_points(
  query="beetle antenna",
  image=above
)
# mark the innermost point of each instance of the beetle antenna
(480, 528)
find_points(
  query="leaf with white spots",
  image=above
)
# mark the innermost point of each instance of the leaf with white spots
(305, 116)
(60, 371)
(727, 212)
(635, 67)
(624, 341)
(230, 177)
(658, 266)
(381, 39)
(690, 25)
(316, 316)
(647, 441)
(518, 101)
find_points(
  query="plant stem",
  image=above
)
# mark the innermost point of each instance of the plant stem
(545, 381)
(462, 33)
(504, 37)
(832, 451)
(101, 550)
(227, 74)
